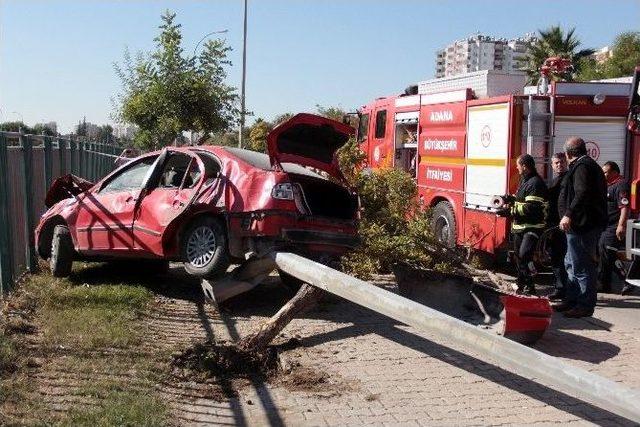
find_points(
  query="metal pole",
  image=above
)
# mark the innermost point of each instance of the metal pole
(507, 354)
(244, 75)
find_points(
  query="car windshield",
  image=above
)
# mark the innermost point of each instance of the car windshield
(261, 161)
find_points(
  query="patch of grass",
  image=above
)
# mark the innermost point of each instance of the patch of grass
(87, 317)
(121, 408)
(8, 355)
(89, 328)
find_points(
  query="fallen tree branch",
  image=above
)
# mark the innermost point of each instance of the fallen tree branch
(306, 298)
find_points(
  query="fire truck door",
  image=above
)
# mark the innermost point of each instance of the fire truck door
(605, 136)
(380, 148)
(487, 154)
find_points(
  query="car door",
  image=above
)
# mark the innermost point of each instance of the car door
(165, 197)
(104, 222)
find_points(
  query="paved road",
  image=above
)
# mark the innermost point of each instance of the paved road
(380, 372)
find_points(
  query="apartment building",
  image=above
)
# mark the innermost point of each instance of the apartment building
(481, 52)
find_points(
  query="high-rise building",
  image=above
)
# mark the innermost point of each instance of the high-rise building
(480, 52)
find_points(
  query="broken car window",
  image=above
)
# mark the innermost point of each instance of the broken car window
(129, 179)
(174, 171)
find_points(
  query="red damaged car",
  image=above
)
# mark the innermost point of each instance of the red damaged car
(209, 206)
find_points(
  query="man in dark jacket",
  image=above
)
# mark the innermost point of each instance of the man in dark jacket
(528, 220)
(557, 240)
(612, 239)
(582, 206)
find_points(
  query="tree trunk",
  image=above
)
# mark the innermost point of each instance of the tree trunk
(306, 298)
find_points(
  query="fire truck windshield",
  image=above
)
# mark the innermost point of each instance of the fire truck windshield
(363, 127)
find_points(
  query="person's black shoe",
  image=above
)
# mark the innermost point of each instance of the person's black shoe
(563, 306)
(627, 289)
(557, 295)
(577, 312)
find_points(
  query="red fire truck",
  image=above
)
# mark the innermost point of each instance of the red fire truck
(459, 138)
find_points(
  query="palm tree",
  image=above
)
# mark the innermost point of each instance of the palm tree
(553, 42)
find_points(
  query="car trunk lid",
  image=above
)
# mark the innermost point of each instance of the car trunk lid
(65, 187)
(308, 140)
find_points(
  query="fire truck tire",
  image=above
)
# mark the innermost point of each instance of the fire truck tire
(204, 248)
(61, 259)
(443, 224)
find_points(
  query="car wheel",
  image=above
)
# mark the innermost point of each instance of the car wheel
(443, 224)
(61, 259)
(204, 248)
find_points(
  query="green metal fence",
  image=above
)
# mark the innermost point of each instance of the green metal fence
(28, 166)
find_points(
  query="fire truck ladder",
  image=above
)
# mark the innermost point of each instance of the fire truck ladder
(539, 131)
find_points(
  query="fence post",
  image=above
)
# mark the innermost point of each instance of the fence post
(62, 156)
(47, 162)
(6, 262)
(74, 155)
(27, 178)
(81, 167)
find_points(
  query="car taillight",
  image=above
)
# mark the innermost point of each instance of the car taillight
(282, 191)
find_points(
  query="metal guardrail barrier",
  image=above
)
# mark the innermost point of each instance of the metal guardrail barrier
(28, 166)
(540, 367)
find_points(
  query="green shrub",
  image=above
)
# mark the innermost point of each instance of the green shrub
(393, 227)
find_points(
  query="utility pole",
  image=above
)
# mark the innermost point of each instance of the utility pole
(244, 75)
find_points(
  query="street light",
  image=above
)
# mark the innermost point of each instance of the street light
(244, 75)
(207, 35)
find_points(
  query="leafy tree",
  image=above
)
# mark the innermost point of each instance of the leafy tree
(554, 42)
(166, 93)
(105, 133)
(81, 130)
(258, 135)
(625, 55)
(41, 129)
(281, 119)
(334, 113)
(15, 127)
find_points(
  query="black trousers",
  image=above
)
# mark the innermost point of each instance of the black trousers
(524, 248)
(607, 255)
(557, 251)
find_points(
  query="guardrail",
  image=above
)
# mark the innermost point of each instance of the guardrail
(28, 166)
(505, 353)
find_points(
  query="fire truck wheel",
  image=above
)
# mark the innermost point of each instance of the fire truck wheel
(444, 224)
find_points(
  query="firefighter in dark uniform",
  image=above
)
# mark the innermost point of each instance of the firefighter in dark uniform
(613, 236)
(528, 220)
(557, 241)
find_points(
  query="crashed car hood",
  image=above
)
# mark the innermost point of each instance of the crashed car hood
(66, 187)
(309, 140)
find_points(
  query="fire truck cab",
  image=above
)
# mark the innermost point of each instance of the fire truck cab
(459, 138)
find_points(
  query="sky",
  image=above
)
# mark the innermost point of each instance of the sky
(56, 57)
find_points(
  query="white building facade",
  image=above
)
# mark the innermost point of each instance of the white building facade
(480, 52)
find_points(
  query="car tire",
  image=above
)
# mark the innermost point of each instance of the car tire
(443, 224)
(61, 259)
(204, 248)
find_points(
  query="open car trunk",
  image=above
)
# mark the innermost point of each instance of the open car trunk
(323, 198)
(309, 140)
